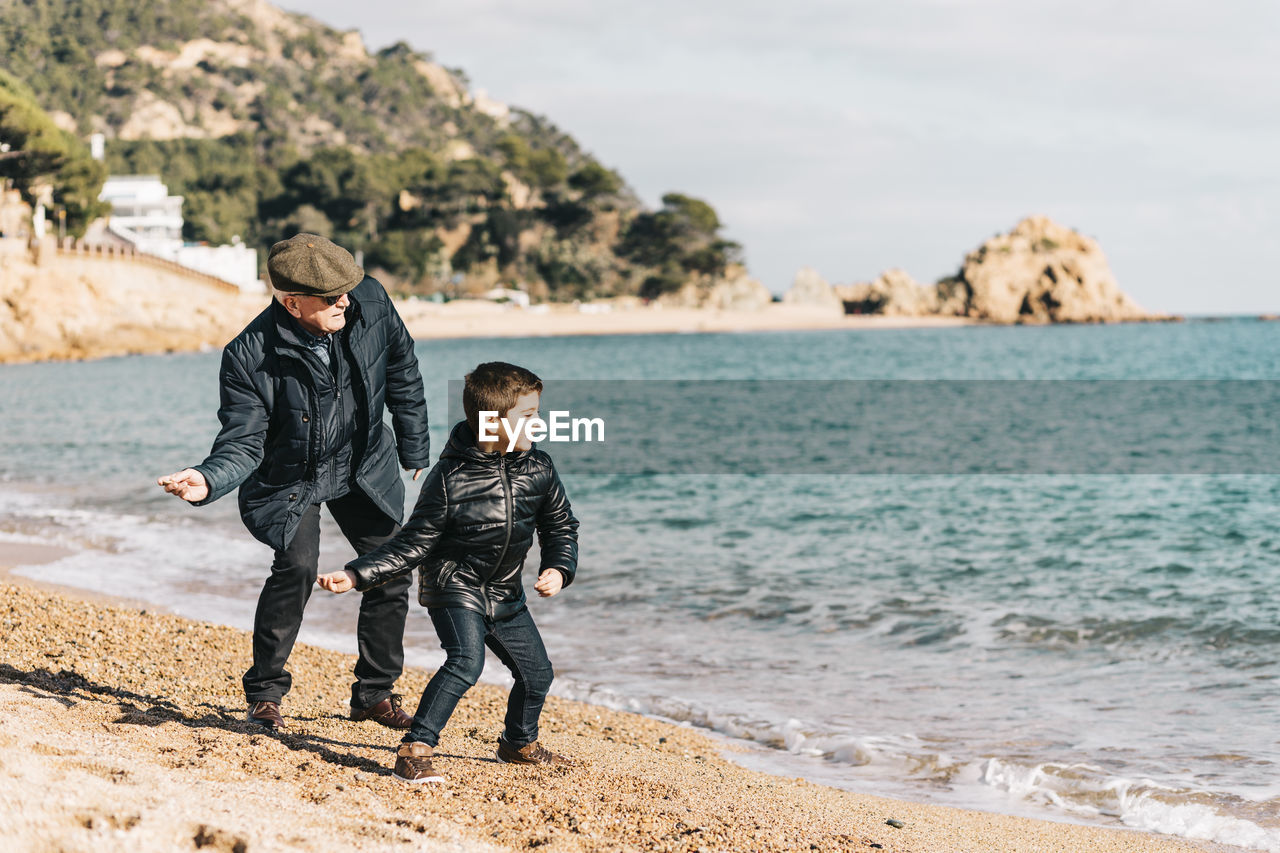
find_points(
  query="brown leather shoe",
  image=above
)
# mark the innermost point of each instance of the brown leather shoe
(266, 714)
(533, 753)
(413, 764)
(386, 713)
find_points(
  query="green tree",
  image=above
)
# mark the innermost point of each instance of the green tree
(408, 253)
(594, 180)
(682, 236)
(548, 168)
(515, 152)
(305, 218)
(41, 152)
(222, 181)
(692, 212)
(544, 168)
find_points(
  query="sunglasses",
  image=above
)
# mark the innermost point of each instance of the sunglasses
(328, 300)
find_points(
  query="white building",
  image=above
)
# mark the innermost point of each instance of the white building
(236, 263)
(144, 214)
(146, 217)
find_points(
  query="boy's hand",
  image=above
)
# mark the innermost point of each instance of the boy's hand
(338, 582)
(549, 582)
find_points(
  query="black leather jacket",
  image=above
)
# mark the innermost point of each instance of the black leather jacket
(474, 522)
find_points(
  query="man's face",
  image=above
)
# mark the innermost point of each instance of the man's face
(526, 407)
(315, 314)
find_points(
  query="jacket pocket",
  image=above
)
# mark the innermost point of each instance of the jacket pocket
(434, 574)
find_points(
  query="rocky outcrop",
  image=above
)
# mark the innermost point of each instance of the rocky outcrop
(738, 292)
(810, 288)
(1040, 272)
(893, 294)
(56, 305)
(735, 291)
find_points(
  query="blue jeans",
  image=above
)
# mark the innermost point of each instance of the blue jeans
(463, 635)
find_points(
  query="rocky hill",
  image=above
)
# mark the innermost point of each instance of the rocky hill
(1040, 272)
(198, 69)
(269, 122)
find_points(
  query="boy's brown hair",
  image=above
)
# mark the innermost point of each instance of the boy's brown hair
(494, 387)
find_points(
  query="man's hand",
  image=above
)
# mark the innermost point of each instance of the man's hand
(417, 472)
(188, 484)
(549, 582)
(338, 582)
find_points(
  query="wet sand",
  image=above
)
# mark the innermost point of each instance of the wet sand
(31, 554)
(123, 730)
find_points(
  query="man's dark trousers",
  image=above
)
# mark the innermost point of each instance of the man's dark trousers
(380, 631)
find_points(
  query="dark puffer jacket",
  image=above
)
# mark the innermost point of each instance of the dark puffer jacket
(474, 523)
(271, 420)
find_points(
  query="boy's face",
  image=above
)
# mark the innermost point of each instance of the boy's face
(526, 407)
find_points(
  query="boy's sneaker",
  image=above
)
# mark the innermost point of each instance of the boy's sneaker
(533, 753)
(413, 764)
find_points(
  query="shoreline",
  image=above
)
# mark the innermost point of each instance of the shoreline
(165, 690)
(15, 555)
(472, 318)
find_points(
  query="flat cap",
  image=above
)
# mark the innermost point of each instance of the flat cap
(311, 264)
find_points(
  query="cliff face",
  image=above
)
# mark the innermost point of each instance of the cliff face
(1040, 272)
(57, 305)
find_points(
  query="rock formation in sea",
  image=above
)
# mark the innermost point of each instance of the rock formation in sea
(734, 291)
(893, 294)
(1040, 272)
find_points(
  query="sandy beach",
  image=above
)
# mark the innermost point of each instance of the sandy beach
(472, 318)
(475, 318)
(123, 729)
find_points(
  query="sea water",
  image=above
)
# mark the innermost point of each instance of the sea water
(1083, 647)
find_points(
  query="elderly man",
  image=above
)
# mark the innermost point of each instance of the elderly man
(303, 389)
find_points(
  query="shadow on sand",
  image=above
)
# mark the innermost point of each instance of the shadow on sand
(67, 688)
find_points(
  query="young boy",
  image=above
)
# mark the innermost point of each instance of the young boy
(473, 524)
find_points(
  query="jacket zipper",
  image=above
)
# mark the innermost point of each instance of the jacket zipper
(506, 494)
(336, 354)
(311, 434)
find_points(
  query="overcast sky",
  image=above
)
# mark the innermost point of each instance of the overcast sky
(855, 136)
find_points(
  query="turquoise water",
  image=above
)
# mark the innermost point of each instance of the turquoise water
(1083, 647)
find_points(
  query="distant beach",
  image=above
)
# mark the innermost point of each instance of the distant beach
(474, 318)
